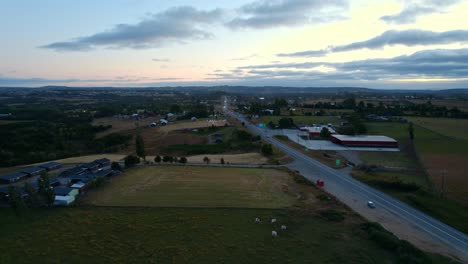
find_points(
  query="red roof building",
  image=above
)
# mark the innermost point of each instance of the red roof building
(365, 141)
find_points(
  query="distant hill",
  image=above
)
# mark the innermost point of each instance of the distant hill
(257, 89)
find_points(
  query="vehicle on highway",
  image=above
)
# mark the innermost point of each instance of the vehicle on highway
(371, 204)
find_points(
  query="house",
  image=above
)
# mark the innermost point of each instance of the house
(104, 162)
(90, 166)
(269, 111)
(12, 177)
(82, 177)
(314, 131)
(104, 173)
(54, 182)
(73, 171)
(33, 171)
(65, 191)
(63, 200)
(193, 118)
(50, 166)
(163, 122)
(153, 125)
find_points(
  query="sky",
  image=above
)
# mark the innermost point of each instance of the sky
(385, 44)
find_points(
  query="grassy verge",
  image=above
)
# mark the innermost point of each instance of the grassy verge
(325, 157)
(446, 210)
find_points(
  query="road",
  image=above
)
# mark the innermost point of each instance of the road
(405, 221)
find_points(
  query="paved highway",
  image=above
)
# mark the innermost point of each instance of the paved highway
(355, 194)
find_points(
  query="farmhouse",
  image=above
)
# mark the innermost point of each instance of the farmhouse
(12, 177)
(33, 171)
(50, 166)
(82, 186)
(365, 141)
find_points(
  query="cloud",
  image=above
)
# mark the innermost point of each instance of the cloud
(245, 58)
(415, 9)
(411, 37)
(267, 14)
(175, 25)
(161, 60)
(426, 64)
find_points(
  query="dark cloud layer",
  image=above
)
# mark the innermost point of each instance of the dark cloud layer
(438, 63)
(412, 37)
(173, 25)
(415, 9)
(267, 14)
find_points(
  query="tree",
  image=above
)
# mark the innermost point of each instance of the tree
(140, 147)
(131, 161)
(175, 108)
(44, 190)
(221, 161)
(166, 158)
(325, 133)
(411, 130)
(116, 166)
(286, 123)
(15, 200)
(206, 160)
(183, 160)
(157, 159)
(267, 149)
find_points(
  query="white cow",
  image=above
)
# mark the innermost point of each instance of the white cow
(273, 220)
(274, 233)
(283, 227)
(257, 220)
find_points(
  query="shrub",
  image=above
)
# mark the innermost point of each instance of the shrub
(221, 161)
(116, 166)
(333, 215)
(299, 179)
(267, 149)
(206, 160)
(183, 160)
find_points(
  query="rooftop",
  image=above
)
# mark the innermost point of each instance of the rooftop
(13, 175)
(50, 164)
(364, 138)
(32, 170)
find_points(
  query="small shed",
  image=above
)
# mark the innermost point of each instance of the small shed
(82, 186)
(64, 200)
(50, 166)
(65, 191)
(90, 166)
(33, 171)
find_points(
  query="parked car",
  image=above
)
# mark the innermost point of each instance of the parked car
(370, 204)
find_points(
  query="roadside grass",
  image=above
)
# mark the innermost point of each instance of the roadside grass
(326, 157)
(196, 187)
(446, 210)
(391, 159)
(300, 119)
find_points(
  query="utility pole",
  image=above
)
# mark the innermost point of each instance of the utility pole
(442, 191)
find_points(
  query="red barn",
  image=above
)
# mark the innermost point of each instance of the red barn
(365, 141)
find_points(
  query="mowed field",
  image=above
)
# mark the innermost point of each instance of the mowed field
(244, 158)
(185, 186)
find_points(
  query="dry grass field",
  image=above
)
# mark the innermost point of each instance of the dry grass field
(191, 124)
(244, 158)
(169, 186)
(118, 125)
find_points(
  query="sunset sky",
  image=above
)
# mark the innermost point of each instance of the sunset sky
(365, 43)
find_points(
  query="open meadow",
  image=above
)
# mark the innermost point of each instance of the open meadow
(197, 187)
(300, 119)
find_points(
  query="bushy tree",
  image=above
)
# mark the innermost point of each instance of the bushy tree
(183, 160)
(131, 160)
(221, 161)
(286, 123)
(157, 159)
(44, 190)
(15, 200)
(206, 160)
(140, 147)
(325, 133)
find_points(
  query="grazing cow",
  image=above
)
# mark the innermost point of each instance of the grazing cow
(273, 220)
(274, 233)
(257, 220)
(283, 227)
